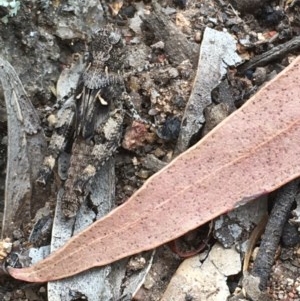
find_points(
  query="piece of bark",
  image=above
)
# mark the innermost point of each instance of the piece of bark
(223, 94)
(270, 241)
(217, 52)
(96, 282)
(214, 114)
(153, 163)
(26, 146)
(251, 153)
(233, 228)
(273, 54)
(177, 47)
(105, 282)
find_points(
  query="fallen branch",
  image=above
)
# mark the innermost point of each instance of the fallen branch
(275, 53)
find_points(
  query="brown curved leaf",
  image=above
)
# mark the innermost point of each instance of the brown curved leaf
(252, 152)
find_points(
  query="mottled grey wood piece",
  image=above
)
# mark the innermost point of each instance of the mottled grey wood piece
(217, 52)
(94, 284)
(177, 46)
(26, 145)
(273, 54)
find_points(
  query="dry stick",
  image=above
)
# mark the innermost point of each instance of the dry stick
(279, 215)
(274, 54)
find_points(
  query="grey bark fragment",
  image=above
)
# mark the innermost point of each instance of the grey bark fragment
(94, 284)
(177, 46)
(232, 228)
(99, 283)
(217, 52)
(37, 254)
(68, 79)
(26, 144)
(104, 283)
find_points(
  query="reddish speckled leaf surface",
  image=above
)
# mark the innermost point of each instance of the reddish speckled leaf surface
(252, 152)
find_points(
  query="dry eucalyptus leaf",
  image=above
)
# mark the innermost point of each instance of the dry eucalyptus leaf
(252, 152)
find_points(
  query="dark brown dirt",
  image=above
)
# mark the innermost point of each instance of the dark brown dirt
(39, 46)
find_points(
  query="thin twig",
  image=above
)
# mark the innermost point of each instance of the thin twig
(274, 54)
(279, 215)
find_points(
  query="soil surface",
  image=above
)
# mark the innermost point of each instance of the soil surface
(41, 38)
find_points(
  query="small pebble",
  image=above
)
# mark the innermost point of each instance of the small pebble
(291, 295)
(52, 120)
(17, 234)
(42, 290)
(143, 174)
(134, 84)
(158, 45)
(128, 11)
(159, 152)
(249, 74)
(4, 140)
(178, 101)
(289, 281)
(19, 293)
(128, 188)
(135, 161)
(198, 37)
(281, 295)
(154, 96)
(153, 112)
(136, 263)
(259, 76)
(149, 282)
(7, 297)
(173, 73)
(170, 129)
